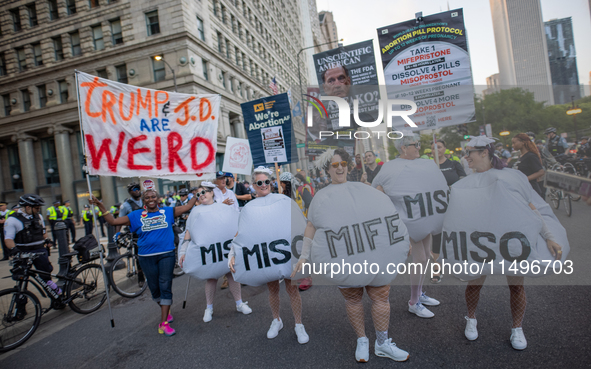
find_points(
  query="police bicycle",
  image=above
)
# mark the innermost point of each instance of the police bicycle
(125, 274)
(556, 196)
(20, 309)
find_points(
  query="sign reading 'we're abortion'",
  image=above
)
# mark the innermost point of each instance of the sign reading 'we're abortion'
(131, 131)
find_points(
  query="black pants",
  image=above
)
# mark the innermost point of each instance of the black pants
(53, 237)
(72, 228)
(88, 227)
(102, 225)
(5, 251)
(42, 262)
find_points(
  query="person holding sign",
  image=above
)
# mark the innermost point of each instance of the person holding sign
(153, 225)
(262, 184)
(343, 205)
(221, 220)
(488, 171)
(419, 189)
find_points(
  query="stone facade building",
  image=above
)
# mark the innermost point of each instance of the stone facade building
(228, 47)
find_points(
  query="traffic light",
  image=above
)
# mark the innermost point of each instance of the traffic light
(463, 130)
(466, 137)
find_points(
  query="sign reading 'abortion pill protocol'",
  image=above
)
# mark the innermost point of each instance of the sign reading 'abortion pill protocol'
(268, 124)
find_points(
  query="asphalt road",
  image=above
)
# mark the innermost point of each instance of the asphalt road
(557, 326)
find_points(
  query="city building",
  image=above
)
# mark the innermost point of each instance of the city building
(228, 47)
(493, 84)
(329, 28)
(563, 60)
(522, 52)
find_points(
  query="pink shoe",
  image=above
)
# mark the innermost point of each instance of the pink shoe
(166, 329)
(170, 319)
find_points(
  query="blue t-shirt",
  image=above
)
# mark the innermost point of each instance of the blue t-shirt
(155, 230)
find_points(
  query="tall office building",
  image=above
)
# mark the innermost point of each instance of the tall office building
(563, 60)
(522, 52)
(227, 47)
(329, 28)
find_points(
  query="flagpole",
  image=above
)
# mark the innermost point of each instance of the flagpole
(102, 261)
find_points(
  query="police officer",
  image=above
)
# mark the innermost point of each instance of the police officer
(115, 210)
(556, 145)
(54, 214)
(3, 213)
(181, 220)
(132, 203)
(87, 217)
(69, 219)
(25, 231)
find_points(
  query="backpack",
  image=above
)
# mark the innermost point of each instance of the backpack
(88, 249)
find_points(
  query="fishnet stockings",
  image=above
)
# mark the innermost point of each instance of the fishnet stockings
(518, 299)
(421, 252)
(294, 298)
(210, 287)
(380, 308)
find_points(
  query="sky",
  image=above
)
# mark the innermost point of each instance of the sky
(358, 20)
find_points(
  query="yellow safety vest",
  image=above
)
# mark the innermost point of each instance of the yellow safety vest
(96, 210)
(9, 214)
(85, 216)
(52, 213)
(64, 211)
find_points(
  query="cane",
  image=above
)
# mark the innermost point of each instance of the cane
(187, 291)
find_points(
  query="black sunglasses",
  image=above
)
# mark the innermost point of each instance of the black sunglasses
(416, 145)
(134, 189)
(260, 183)
(203, 192)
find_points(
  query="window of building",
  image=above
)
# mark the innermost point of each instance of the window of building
(93, 4)
(232, 84)
(205, 73)
(50, 161)
(6, 103)
(15, 167)
(63, 87)
(71, 6)
(38, 56)
(227, 49)
(224, 79)
(42, 96)
(200, 29)
(57, 46)
(97, 37)
(26, 100)
(75, 41)
(159, 71)
(219, 42)
(3, 71)
(102, 73)
(32, 12)
(215, 8)
(21, 59)
(237, 54)
(121, 73)
(116, 34)
(53, 12)
(233, 20)
(16, 19)
(224, 15)
(152, 23)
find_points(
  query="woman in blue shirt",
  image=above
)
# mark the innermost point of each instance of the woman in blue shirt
(153, 225)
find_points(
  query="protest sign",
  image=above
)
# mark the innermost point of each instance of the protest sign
(131, 131)
(237, 158)
(268, 124)
(427, 61)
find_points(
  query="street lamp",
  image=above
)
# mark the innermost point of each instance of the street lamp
(160, 58)
(574, 111)
(299, 68)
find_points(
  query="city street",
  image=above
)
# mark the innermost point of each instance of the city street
(556, 327)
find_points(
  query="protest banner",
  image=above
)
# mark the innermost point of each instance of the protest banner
(237, 158)
(269, 127)
(427, 61)
(131, 131)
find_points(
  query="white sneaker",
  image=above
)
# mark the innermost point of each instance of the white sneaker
(208, 315)
(362, 351)
(420, 310)
(518, 340)
(244, 308)
(471, 332)
(301, 333)
(276, 326)
(389, 350)
(429, 301)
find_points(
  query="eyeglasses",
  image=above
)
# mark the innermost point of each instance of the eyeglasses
(342, 163)
(202, 192)
(416, 145)
(468, 152)
(260, 183)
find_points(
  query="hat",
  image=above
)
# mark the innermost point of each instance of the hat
(14, 207)
(261, 169)
(3, 203)
(480, 141)
(220, 174)
(286, 177)
(229, 175)
(208, 184)
(86, 206)
(56, 202)
(66, 201)
(498, 144)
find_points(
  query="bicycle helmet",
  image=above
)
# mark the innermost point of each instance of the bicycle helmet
(531, 134)
(132, 186)
(183, 192)
(31, 199)
(550, 130)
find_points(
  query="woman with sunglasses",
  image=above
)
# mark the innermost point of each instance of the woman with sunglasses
(401, 180)
(156, 249)
(336, 164)
(488, 168)
(206, 199)
(452, 171)
(262, 184)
